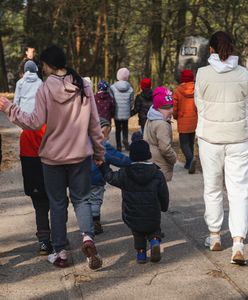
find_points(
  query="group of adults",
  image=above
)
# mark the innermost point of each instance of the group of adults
(65, 102)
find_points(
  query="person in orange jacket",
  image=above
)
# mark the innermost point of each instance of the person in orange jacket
(185, 112)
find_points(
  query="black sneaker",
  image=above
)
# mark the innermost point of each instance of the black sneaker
(45, 248)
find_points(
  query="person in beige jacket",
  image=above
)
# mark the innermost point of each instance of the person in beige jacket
(158, 131)
(221, 96)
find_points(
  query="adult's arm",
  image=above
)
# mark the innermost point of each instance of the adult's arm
(33, 121)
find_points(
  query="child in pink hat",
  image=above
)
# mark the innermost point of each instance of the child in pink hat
(158, 131)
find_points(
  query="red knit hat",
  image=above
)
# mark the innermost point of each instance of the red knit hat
(145, 83)
(187, 76)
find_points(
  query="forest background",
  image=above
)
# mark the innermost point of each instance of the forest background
(100, 36)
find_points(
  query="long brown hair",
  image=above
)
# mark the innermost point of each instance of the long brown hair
(222, 44)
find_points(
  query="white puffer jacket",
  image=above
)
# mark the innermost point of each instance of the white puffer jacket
(122, 92)
(221, 97)
(26, 89)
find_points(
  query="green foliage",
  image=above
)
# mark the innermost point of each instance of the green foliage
(78, 26)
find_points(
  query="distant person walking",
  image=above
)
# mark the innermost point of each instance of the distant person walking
(123, 94)
(29, 54)
(158, 131)
(65, 102)
(221, 98)
(185, 112)
(143, 102)
(104, 101)
(33, 179)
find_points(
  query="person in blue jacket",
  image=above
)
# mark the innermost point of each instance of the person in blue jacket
(112, 157)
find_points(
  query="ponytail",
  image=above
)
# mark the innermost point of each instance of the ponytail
(76, 80)
(222, 44)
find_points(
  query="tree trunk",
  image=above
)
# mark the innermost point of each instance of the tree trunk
(96, 46)
(156, 42)
(3, 72)
(106, 41)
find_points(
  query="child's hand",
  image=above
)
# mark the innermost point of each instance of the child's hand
(4, 103)
(98, 162)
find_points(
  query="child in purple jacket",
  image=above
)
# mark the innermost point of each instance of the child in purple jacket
(104, 102)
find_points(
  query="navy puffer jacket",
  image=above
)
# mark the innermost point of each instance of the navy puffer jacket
(144, 194)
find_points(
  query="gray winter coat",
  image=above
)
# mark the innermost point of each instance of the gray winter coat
(122, 92)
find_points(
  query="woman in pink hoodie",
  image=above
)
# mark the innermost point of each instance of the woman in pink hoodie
(65, 102)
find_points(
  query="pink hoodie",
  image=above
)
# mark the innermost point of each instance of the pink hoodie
(73, 128)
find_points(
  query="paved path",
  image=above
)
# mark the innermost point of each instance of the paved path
(187, 270)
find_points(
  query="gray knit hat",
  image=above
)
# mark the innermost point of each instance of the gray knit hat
(30, 66)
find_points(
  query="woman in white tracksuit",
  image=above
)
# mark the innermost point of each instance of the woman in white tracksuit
(221, 97)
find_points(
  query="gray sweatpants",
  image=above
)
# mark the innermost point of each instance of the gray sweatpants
(77, 178)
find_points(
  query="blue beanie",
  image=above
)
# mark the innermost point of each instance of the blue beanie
(103, 85)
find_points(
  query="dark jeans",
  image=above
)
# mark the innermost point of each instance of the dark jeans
(187, 141)
(121, 126)
(141, 238)
(77, 178)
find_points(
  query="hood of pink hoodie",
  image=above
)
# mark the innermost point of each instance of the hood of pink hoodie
(61, 92)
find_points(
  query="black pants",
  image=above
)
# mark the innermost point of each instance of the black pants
(34, 187)
(41, 206)
(140, 238)
(187, 141)
(121, 126)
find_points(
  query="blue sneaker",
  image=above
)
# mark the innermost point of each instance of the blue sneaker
(155, 250)
(141, 256)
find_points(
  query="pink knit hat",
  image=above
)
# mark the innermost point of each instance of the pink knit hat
(123, 74)
(162, 97)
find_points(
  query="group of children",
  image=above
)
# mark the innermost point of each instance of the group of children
(143, 175)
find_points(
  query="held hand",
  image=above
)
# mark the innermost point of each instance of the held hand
(3, 103)
(98, 162)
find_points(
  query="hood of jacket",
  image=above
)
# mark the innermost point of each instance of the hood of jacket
(141, 173)
(186, 89)
(61, 88)
(223, 66)
(30, 77)
(122, 86)
(154, 114)
(147, 94)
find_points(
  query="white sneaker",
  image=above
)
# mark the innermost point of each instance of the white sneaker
(238, 254)
(213, 242)
(58, 259)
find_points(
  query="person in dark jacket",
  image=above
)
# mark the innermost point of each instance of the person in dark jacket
(104, 101)
(113, 157)
(144, 195)
(143, 102)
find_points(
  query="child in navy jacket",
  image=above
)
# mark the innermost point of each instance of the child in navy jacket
(113, 157)
(144, 195)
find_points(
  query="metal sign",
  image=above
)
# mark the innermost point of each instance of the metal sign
(188, 51)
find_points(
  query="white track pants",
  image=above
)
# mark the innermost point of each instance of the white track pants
(231, 161)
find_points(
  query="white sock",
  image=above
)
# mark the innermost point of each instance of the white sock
(87, 238)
